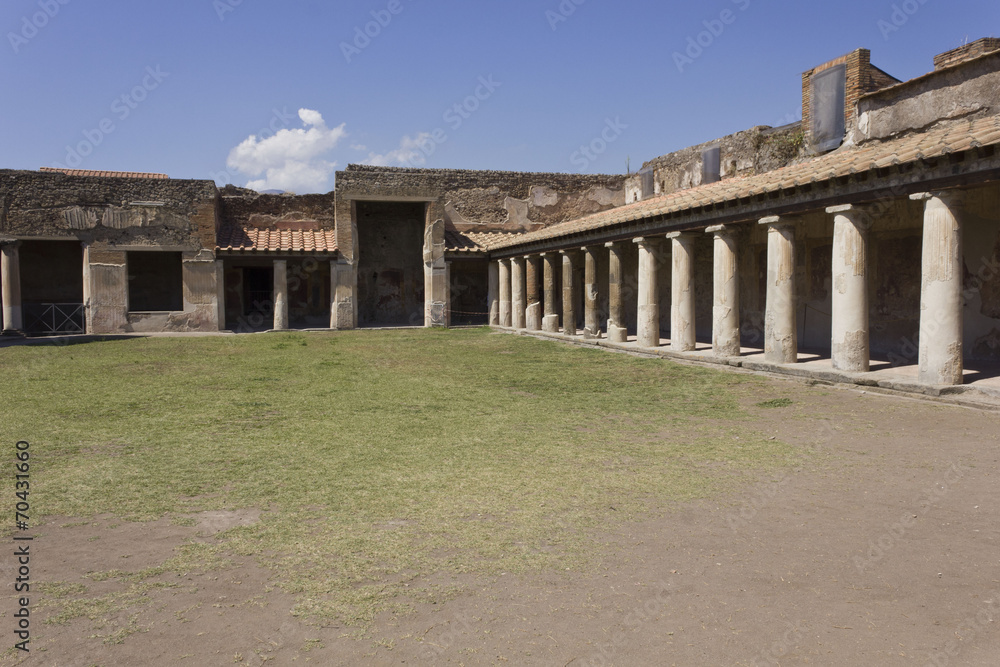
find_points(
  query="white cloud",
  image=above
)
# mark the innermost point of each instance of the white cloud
(409, 153)
(292, 159)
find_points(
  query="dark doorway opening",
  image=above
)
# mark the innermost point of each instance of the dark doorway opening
(52, 287)
(258, 291)
(390, 263)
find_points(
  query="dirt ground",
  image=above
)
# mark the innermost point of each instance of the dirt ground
(881, 550)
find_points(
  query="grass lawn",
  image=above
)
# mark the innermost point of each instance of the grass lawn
(376, 457)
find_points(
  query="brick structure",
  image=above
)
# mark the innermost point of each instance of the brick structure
(964, 53)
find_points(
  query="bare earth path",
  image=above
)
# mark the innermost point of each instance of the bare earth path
(882, 549)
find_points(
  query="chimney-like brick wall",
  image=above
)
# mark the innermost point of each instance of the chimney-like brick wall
(862, 77)
(968, 52)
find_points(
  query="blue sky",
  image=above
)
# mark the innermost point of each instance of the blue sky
(190, 87)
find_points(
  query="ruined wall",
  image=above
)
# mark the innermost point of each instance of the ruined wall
(968, 91)
(245, 207)
(754, 151)
(114, 211)
(488, 200)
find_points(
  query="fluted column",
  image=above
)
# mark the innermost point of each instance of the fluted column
(942, 271)
(550, 322)
(726, 303)
(517, 292)
(617, 331)
(849, 344)
(505, 293)
(568, 288)
(280, 294)
(10, 274)
(781, 339)
(648, 325)
(493, 295)
(591, 316)
(533, 312)
(682, 306)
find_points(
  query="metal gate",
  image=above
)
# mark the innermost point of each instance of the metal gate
(53, 318)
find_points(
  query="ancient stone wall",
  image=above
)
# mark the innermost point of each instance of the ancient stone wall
(246, 207)
(119, 211)
(966, 92)
(488, 200)
(754, 151)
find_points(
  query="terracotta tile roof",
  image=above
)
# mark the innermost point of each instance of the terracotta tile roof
(104, 174)
(476, 241)
(844, 162)
(236, 238)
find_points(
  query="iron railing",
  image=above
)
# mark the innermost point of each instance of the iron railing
(54, 318)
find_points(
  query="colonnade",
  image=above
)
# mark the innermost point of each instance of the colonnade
(941, 305)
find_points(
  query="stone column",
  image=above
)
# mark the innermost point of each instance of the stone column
(10, 274)
(550, 322)
(220, 292)
(533, 311)
(682, 306)
(280, 295)
(437, 291)
(726, 308)
(505, 314)
(781, 338)
(343, 280)
(493, 296)
(941, 304)
(591, 318)
(617, 331)
(849, 345)
(88, 326)
(518, 295)
(648, 326)
(568, 285)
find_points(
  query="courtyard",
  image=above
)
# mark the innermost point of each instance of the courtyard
(472, 497)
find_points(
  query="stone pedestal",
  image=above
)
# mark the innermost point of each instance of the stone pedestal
(10, 274)
(648, 325)
(505, 293)
(280, 295)
(781, 339)
(493, 294)
(550, 322)
(517, 292)
(942, 269)
(533, 312)
(568, 287)
(591, 316)
(726, 302)
(849, 345)
(617, 331)
(682, 306)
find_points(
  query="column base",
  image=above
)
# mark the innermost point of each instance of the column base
(617, 334)
(550, 324)
(12, 333)
(533, 317)
(682, 346)
(592, 335)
